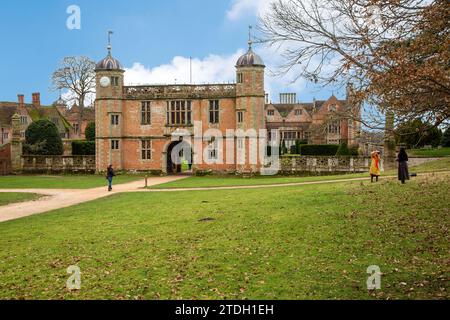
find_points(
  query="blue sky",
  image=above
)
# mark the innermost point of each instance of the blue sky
(152, 39)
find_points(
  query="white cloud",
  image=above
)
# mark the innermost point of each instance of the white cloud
(212, 69)
(71, 98)
(218, 69)
(241, 8)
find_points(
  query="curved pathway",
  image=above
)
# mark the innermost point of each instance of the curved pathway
(61, 198)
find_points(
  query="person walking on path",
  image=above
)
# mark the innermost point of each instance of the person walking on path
(403, 172)
(375, 171)
(110, 175)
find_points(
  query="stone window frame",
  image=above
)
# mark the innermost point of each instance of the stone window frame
(270, 112)
(334, 127)
(179, 113)
(76, 127)
(306, 135)
(240, 143)
(240, 77)
(23, 119)
(115, 145)
(115, 81)
(291, 135)
(298, 112)
(146, 113)
(240, 117)
(146, 149)
(214, 111)
(115, 119)
(213, 149)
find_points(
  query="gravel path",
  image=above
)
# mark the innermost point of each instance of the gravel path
(57, 199)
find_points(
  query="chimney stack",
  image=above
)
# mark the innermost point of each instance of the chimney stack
(21, 99)
(36, 99)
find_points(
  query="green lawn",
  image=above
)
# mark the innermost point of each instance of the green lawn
(306, 242)
(224, 181)
(9, 197)
(60, 182)
(443, 152)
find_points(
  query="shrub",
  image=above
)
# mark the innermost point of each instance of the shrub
(319, 150)
(298, 145)
(42, 138)
(293, 149)
(354, 150)
(343, 150)
(90, 131)
(445, 142)
(83, 148)
(417, 134)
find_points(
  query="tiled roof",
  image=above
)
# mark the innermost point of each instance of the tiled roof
(6, 113)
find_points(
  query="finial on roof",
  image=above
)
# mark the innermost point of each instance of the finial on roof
(250, 41)
(110, 32)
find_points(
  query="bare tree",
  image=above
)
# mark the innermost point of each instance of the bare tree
(77, 75)
(394, 52)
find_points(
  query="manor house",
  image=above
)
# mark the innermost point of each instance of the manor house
(139, 126)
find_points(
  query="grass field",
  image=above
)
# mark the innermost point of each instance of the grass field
(214, 181)
(443, 152)
(8, 198)
(306, 242)
(60, 182)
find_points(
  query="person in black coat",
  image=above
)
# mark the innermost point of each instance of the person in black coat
(403, 172)
(110, 174)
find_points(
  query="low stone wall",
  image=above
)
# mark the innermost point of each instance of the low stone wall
(58, 164)
(323, 165)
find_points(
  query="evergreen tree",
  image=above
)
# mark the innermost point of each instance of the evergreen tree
(90, 132)
(445, 142)
(42, 138)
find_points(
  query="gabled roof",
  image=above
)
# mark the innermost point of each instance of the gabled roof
(284, 109)
(6, 113)
(73, 113)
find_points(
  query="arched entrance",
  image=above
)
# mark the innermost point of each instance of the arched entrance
(179, 158)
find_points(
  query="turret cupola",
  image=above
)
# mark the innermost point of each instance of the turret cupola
(109, 63)
(250, 58)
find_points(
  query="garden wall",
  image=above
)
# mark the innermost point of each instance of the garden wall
(58, 164)
(323, 165)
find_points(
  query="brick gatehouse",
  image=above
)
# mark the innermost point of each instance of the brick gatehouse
(138, 126)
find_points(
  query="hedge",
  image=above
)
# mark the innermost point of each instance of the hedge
(83, 148)
(319, 150)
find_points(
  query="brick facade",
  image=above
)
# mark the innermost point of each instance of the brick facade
(121, 133)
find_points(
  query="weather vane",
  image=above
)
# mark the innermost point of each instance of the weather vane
(250, 41)
(110, 32)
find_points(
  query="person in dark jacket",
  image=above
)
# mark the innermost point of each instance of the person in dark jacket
(110, 175)
(403, 172)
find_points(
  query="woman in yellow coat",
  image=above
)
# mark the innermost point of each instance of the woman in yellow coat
(375, 171)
